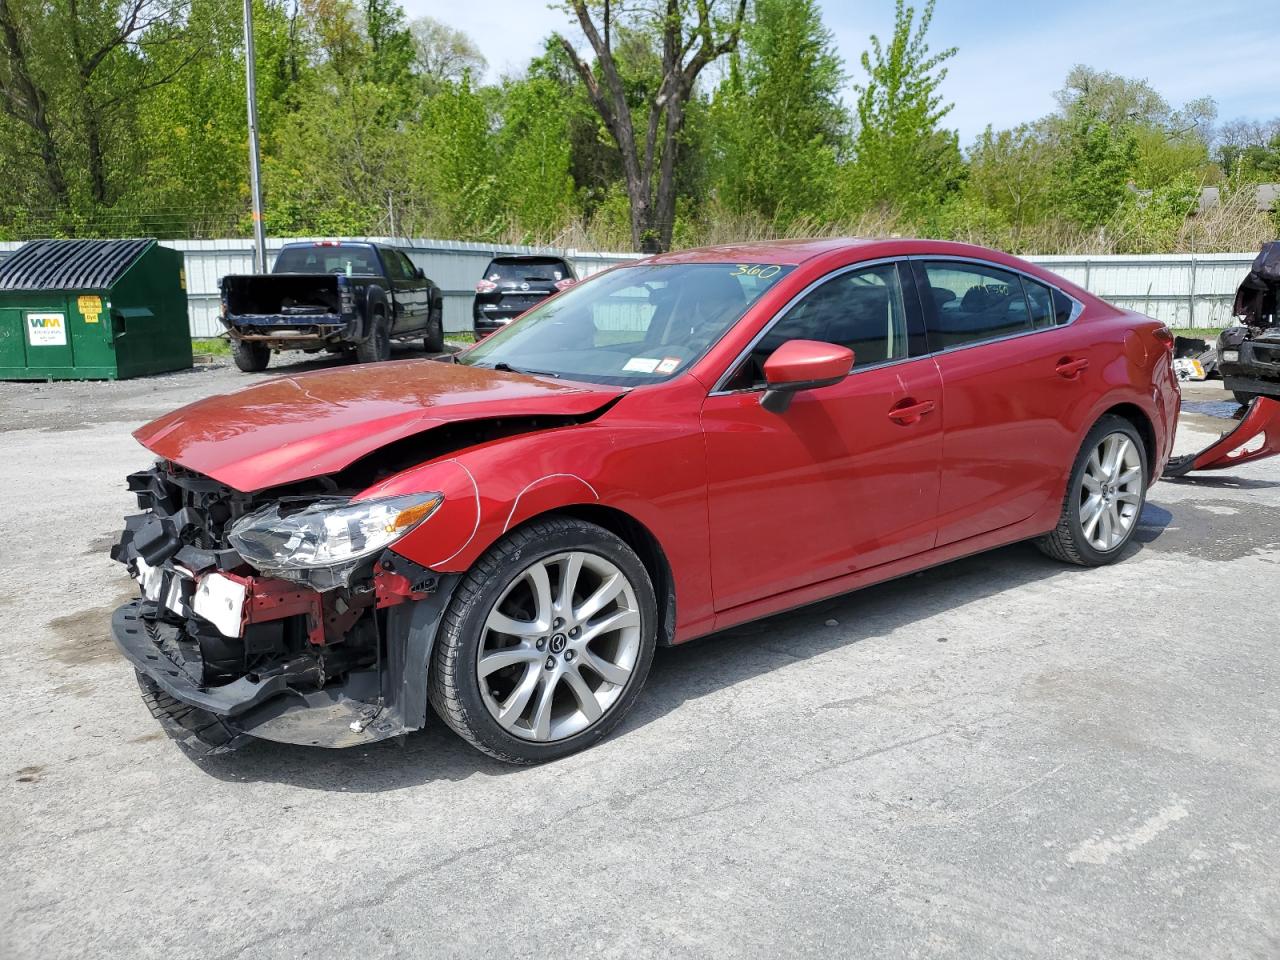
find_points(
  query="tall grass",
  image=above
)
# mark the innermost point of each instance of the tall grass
(1234, 226)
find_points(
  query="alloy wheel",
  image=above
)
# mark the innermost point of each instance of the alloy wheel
(1111, 490)
(559, 646)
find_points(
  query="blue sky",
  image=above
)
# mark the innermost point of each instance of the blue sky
(1013, 55)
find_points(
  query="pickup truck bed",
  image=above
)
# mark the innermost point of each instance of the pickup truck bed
(334, 296)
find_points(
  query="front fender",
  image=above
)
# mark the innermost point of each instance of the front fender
(651, 470)
(447, 533)
(470, 520)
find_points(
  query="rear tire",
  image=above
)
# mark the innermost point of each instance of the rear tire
(1104, 499)
(434, 341)
(1242, 398)
(377, 346)
(560, 667)
(250, 356)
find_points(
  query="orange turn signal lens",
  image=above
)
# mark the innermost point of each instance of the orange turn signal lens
(411, 515)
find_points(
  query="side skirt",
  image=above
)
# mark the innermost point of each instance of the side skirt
(1033, 526)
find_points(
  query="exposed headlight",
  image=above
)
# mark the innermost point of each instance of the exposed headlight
(1230, 356)
(324, 541)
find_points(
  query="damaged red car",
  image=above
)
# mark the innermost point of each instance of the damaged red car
(670, 448)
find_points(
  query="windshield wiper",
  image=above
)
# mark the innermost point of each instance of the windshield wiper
(508, 368)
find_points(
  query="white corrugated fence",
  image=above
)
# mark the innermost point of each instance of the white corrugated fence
(1183, 290)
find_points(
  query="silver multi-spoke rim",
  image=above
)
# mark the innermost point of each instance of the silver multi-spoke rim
(1111, 492)
(559, 646)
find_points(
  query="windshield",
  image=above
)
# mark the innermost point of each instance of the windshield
(353, 260)
(517, 271)
(631, 325)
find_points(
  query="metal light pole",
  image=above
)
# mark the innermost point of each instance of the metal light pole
(255, 175)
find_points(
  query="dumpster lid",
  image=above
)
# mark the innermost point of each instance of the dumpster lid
(69, 264)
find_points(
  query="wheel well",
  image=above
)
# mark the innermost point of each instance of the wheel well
(1142, 423)
(637, 536)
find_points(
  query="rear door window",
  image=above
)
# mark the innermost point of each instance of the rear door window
(969, 303)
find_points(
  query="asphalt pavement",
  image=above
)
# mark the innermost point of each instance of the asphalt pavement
(1000, 757)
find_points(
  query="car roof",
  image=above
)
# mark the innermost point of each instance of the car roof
(773, 251)
(525, 258)
(294, 244)
(795, 252)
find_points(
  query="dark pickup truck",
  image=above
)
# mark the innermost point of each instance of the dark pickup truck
(335, 296)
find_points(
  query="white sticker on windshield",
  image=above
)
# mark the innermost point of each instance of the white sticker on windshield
(641, 364)
(668, 364)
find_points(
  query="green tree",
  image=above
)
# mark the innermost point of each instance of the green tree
(1094, 169)
(777, 121)
(1010, 173)
(691, 34)
(72, 73)
(336, 166)
(533, 153)
(453, 164)
(1149, 221)
(442, 53)
(391, 48)
(192, 132)
(904, 158)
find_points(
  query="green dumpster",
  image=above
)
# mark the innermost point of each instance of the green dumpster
(92, 310)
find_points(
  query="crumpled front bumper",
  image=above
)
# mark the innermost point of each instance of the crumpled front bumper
(214, 719)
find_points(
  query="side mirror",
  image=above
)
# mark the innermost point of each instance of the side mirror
(802, 365)
(419, 273)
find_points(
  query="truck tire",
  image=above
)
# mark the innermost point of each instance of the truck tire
(434, 341)
(250, 356)
(1242, 398)
(376, 346)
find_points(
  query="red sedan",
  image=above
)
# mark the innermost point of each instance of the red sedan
(668, 449)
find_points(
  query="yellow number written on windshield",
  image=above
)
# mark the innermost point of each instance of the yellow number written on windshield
(764, 271)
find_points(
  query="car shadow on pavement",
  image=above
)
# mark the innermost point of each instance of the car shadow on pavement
(679, 674)
(724, 659)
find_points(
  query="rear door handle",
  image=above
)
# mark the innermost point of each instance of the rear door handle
(908, 411)
(1069, 369)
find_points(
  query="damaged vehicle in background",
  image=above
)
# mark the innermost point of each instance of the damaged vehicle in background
(1249, 354)
(666, 450)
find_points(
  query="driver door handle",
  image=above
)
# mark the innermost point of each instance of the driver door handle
(909, 411)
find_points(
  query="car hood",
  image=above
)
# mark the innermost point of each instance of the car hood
(292, 428)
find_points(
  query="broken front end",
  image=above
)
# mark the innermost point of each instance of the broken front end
(1249, 354)
(279, 615)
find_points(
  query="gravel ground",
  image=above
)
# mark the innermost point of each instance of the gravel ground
(999, 757)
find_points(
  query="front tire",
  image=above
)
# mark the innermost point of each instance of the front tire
(250, 356)
(1105, 495)
(1242, 398)
(376, 346)
(547, 642)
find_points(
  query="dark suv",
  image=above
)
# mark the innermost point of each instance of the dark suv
(514, 284)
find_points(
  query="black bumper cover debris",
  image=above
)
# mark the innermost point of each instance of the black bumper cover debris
(368, 705)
